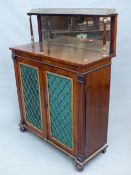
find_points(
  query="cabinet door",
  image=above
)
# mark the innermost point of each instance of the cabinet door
(61, 102)
(31, 96)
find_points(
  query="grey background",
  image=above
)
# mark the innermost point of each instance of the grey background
(26, 154)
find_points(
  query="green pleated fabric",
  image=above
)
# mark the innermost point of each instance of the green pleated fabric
(60, 102)
(30, 86)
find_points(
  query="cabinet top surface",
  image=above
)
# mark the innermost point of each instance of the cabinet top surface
(72, 11)
(69, 55)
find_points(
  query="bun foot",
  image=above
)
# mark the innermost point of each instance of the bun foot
(104, 151)
(78, 166)
(22, 128)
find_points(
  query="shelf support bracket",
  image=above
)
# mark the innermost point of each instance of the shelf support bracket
(31, 30)
(104, 37)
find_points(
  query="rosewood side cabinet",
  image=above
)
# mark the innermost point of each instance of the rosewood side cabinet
(63, 81)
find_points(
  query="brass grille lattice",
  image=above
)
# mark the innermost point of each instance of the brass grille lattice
(60, 102)
(30, 86)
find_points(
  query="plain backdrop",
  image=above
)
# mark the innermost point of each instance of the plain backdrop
(25, 153)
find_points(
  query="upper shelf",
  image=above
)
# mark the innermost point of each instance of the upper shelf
(73, 11)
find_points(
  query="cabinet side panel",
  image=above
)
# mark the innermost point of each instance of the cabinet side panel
(97, 107)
